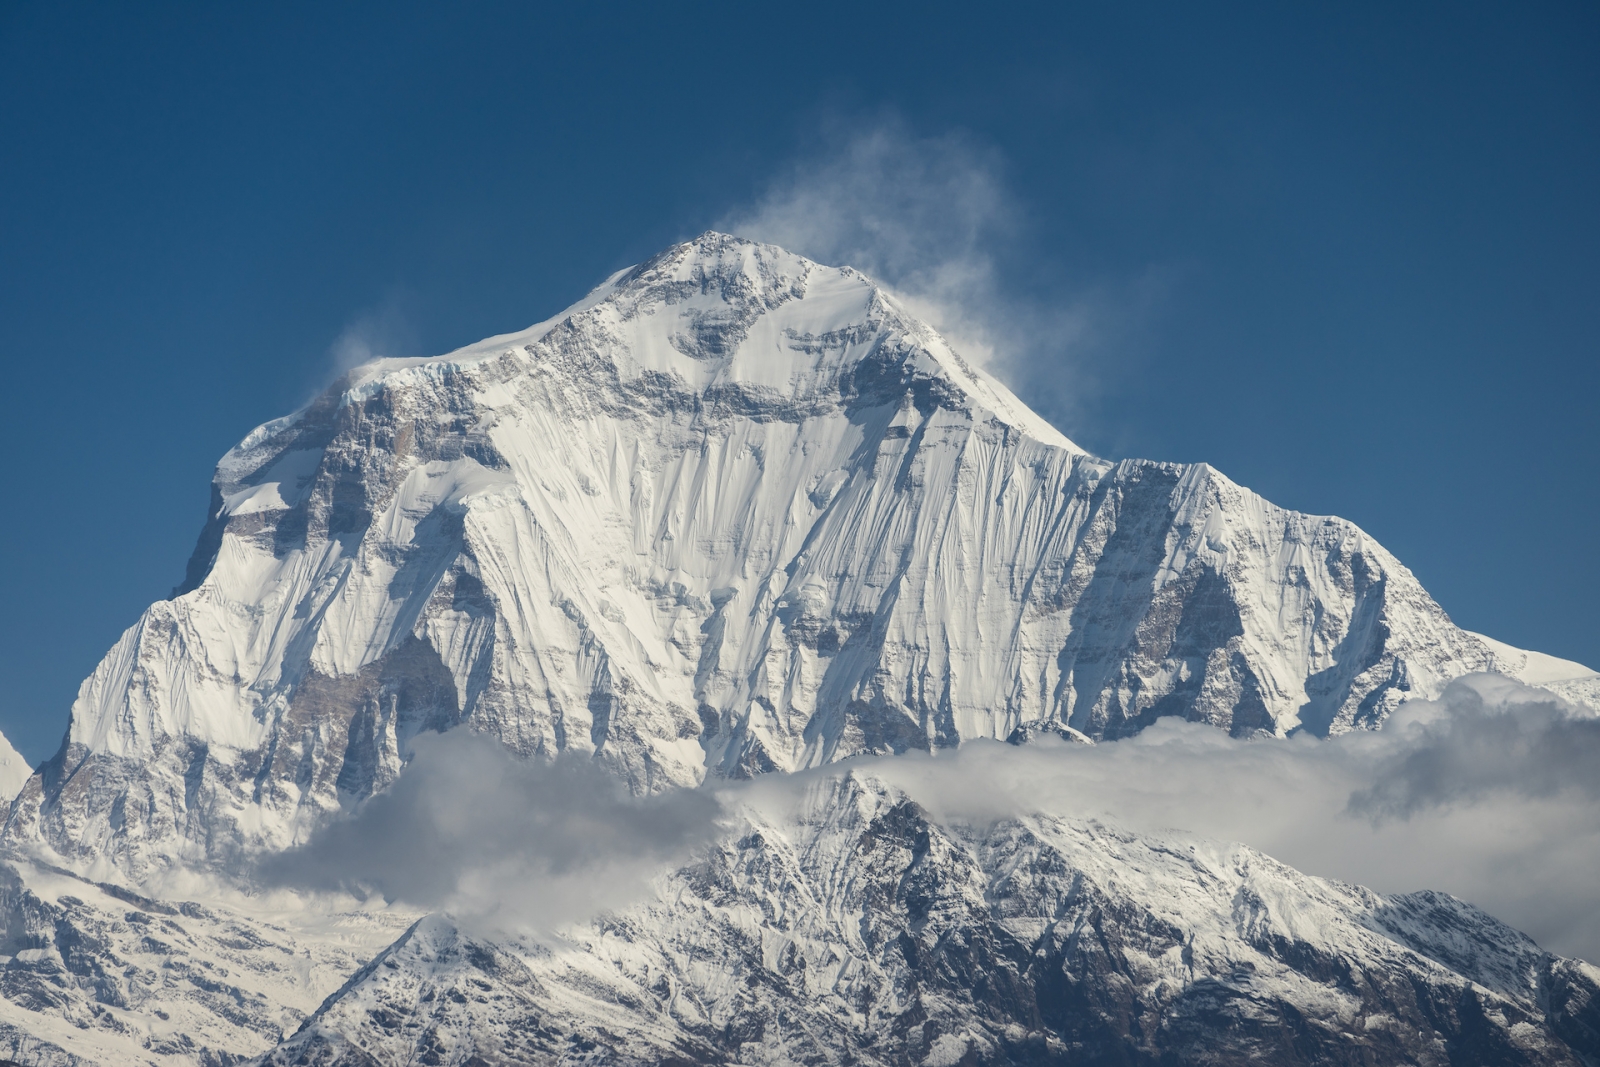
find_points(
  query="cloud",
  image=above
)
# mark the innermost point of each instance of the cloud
(472, 829)
(1488, 793)
(1497, 739)
(383, 331)
(934, 220)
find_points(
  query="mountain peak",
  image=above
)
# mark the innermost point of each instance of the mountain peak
(735, 321)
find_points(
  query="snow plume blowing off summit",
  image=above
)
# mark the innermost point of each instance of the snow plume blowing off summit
(931, 219)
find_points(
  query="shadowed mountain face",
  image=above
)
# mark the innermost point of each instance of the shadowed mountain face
(733, 513)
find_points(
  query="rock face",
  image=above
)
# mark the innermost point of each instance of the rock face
(733, 513)
(859, 931)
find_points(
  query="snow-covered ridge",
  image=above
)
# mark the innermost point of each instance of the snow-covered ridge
(752, 318)
(734, 512)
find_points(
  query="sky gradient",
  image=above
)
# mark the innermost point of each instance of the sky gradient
(1349, 254)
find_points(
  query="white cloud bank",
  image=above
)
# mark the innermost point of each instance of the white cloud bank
(1491, 793)
(470, 828)
(1488, 793)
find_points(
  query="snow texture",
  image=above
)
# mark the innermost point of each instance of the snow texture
(92, 973)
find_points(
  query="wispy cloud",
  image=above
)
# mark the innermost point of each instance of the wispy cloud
(470, 828)
(934, 219)
(1494, 739)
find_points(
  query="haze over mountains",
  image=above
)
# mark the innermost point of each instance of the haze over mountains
(738, 515)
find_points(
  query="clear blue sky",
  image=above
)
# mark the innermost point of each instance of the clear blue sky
(1351, 252)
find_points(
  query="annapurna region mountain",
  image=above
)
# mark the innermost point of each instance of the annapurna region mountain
(738, 514)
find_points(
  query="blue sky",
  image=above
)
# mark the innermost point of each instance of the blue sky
(1348, 254)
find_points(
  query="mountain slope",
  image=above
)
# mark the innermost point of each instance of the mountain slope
(857, 930)
(735, 512)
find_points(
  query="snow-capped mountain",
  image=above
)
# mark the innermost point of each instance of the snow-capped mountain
(94, 974)
(734, 512)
